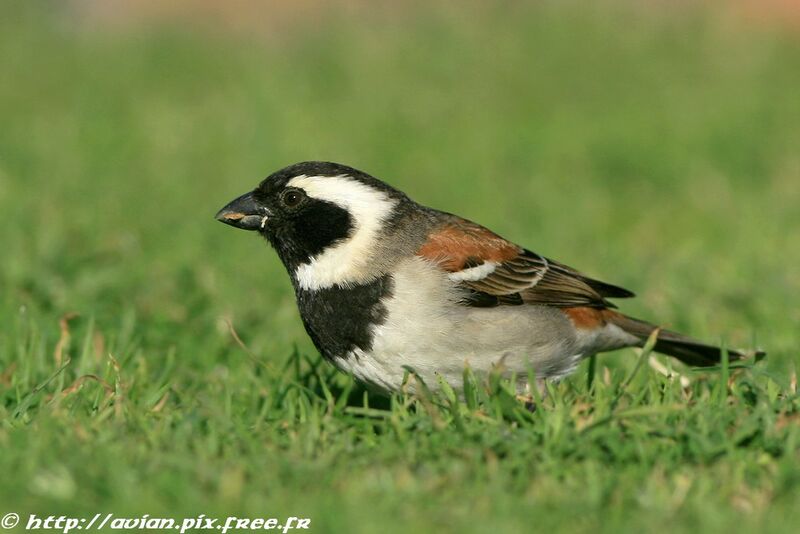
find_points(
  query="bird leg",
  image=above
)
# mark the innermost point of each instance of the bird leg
(527, 397)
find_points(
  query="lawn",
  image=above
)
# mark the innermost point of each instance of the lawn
(152, 361)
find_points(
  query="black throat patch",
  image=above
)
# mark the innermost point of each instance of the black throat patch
(339, 320)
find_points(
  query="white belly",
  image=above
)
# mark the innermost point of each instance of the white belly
(426, 331)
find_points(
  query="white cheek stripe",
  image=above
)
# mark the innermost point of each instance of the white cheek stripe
(347, 262)
(473, 274)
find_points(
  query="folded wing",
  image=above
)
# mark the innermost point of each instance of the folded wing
(495, 271)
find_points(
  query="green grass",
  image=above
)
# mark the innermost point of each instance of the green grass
(655, 150)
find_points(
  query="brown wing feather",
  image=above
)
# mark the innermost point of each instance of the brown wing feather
(459, 243)
(520, 276)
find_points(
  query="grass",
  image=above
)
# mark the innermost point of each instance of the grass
(653, 149)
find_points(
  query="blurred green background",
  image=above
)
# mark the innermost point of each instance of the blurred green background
(652, 145)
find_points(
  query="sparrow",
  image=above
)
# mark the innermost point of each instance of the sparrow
(387, 286)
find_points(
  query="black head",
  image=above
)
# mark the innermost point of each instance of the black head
(306, 208)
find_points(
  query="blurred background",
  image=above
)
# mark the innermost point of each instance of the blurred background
(651, 144)
(654, 145)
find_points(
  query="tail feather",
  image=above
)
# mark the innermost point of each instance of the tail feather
(686, 349)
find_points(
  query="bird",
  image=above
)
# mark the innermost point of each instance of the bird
(387, 288)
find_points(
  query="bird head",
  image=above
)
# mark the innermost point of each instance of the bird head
(324, 219)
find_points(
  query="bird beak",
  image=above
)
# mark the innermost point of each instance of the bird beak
(244, 213)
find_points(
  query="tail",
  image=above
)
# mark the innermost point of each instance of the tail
(688, 350)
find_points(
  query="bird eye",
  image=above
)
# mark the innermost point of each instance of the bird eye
(292, 198)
